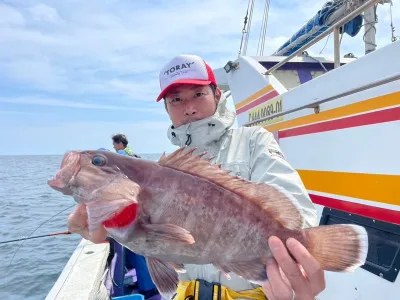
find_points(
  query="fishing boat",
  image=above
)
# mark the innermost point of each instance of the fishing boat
(337, 122)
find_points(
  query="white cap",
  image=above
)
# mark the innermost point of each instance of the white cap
(185, 69)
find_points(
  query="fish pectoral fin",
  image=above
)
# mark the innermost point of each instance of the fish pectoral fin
(102, 210)
(169, 232)
(164, 276)
(253, 270)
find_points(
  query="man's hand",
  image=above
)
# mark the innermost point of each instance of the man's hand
(286, 279)
(78, 223)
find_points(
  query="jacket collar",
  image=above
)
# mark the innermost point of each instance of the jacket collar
(201, 134)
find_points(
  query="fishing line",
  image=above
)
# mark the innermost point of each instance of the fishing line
(35, 237)
(35, 231)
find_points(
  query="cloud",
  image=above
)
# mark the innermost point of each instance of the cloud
(45, 13)
(101, 41)
(10, 16)
(15, 112)
(45, 76)
(71, 49)
(106, 55)
(72, 104)
(140, 91)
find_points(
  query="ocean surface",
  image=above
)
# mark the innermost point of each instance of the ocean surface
(29, 207)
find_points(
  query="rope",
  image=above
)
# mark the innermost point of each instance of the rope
(371, 28)
(248, 27)
(263, 31)
(243, 32)
(394, 37)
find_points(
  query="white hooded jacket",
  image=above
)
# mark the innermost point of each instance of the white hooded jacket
(249, 152)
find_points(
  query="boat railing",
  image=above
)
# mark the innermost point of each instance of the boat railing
(335, 28)
(316, 104)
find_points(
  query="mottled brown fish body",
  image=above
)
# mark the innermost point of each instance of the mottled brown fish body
(183, 210)
(224, 225)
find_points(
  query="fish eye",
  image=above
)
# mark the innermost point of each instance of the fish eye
(98, 161)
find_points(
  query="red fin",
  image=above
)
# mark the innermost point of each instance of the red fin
(338, 248)
(273, 201)
(123, 218)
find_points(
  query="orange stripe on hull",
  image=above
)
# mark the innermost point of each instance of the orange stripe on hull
(255, 96)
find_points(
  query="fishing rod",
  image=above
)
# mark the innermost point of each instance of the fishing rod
(30, 236)
(36, 236)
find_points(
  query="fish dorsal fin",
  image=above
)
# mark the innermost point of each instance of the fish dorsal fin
(273, 201)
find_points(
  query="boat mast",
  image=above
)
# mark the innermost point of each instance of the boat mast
(369, 29)
(247, 27)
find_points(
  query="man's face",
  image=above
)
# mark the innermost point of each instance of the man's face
(189, 103)
(118, 146)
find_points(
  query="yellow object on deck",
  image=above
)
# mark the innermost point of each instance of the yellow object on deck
(202, 290)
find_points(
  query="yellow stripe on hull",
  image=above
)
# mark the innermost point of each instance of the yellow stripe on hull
(347, 110)
(374, 187)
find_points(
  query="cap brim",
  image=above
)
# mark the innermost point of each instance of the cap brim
(179, 82)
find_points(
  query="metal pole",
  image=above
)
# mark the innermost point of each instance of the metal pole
(370, 30)
(328, 31)
(336, 37)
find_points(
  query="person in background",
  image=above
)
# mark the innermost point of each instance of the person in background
(120, 143)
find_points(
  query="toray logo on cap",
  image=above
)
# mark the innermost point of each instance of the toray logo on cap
(181, 66)
(185, 69)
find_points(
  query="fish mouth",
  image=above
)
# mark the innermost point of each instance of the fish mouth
(68, 170)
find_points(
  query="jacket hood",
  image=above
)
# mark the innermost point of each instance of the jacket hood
(203, 133)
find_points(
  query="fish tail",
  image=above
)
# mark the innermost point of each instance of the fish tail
(338, 248)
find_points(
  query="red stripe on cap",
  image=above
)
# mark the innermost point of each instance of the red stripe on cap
(210, 73)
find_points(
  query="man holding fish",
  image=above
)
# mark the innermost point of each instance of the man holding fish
(199, 117)
(223, 217)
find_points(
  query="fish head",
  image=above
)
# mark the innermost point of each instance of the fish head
(83, 174)
(94, 179)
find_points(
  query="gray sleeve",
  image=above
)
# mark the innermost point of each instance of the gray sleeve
(269, 165)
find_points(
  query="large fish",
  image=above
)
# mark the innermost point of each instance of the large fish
(185, 210)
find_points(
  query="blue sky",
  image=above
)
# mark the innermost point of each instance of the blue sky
(72, 73)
